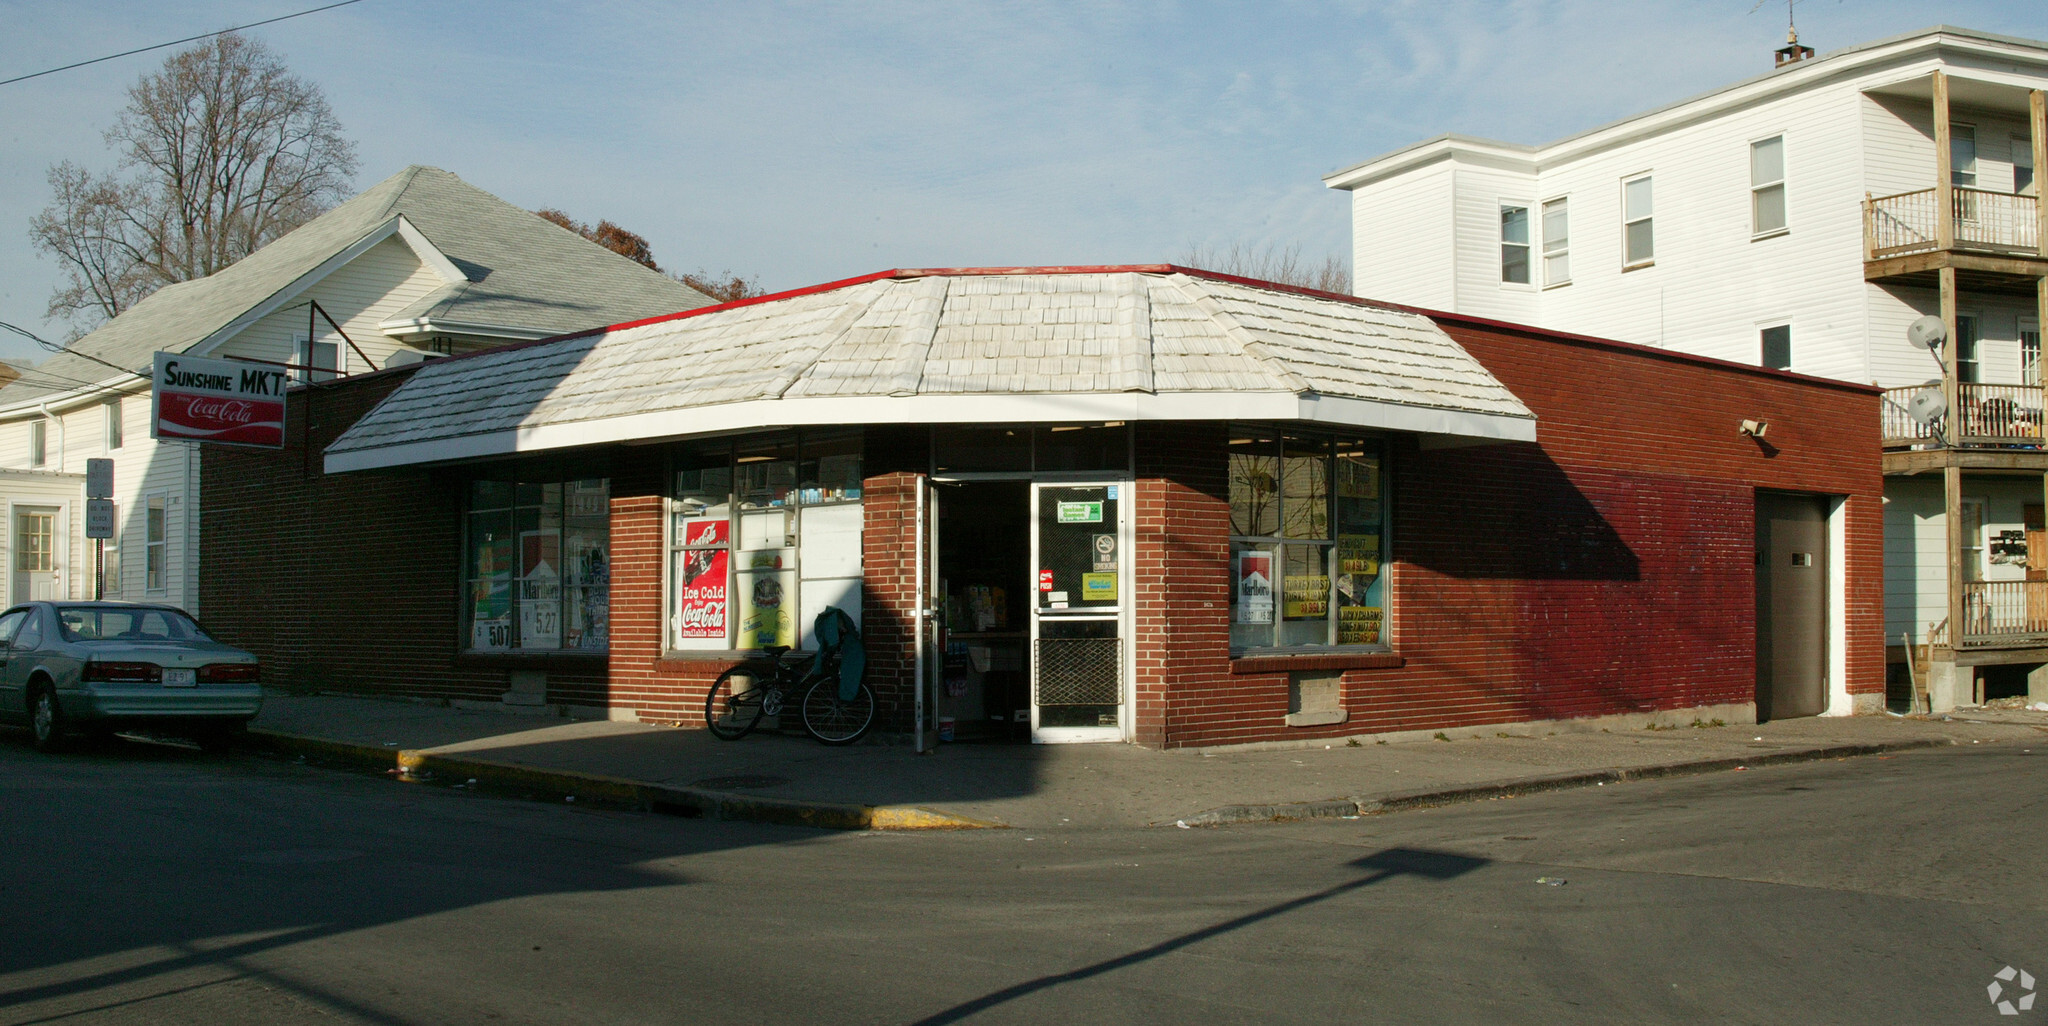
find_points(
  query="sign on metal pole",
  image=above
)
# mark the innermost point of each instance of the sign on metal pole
(225, 401)
(99, 518)
(99, 478)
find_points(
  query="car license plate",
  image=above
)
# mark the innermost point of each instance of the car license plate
(180, 678)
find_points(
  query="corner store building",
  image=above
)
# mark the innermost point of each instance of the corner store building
(1141, 503)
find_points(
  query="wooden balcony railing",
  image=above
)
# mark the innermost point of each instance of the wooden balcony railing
(2007, 416)
(1992, 222)
(2004, 613)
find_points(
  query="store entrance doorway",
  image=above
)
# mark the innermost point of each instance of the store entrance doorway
(984, 590)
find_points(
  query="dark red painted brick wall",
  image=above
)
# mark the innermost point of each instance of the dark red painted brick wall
(1609, 568)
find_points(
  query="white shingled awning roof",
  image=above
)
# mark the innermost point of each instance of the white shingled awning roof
(998, 346)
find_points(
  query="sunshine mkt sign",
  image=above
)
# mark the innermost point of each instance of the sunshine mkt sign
(225, 401)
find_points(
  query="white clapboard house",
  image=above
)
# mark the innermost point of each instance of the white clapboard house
(1801, 219)
(420, 265)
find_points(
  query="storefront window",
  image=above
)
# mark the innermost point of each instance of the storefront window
(765, 534)
(537, 565)
(1307, 515)
(1045, 448)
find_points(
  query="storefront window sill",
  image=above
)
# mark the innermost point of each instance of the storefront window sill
(570, 661)
(693, 660)
(1288, 662)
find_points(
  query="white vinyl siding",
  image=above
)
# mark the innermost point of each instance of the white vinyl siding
(369, 290)
(1401, 251)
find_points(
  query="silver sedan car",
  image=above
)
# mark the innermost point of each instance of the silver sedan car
(98, 667)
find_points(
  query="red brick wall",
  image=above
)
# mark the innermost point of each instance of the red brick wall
(350, 582)
(1606, 569)
(1609, 568)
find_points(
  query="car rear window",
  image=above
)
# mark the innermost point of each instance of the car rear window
(90, 623)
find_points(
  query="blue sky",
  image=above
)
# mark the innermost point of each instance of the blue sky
(801, 142)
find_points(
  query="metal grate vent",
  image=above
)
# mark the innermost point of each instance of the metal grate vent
(1079, 671)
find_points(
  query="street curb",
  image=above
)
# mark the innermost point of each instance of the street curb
(1400, 801)
(692, 802)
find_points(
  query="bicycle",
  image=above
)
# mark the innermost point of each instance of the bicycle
(744, 694)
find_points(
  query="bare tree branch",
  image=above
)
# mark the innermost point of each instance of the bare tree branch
(222, 151)
(1266, 263)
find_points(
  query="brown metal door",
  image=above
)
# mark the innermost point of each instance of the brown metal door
(1791, 605)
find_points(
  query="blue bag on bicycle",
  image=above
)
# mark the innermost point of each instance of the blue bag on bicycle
(836, 633)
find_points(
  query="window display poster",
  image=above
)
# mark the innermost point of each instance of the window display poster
(490, 594)
(1358, 554)
(1358, 478)
(706, 532)
(1254, 587)
(1306, 597)
(701, 606)
(1358, 625)
(766, 613)
(540, 589)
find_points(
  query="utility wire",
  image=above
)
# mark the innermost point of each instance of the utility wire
(175, 42)
(55, 348)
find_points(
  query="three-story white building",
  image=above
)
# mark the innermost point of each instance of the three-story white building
(1800, 220)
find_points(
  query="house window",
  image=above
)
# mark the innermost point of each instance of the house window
(1777, 347)
(110, 561)
(1557, 257)
(764, 535)
(1514, 244)
(1967, 366)
(538, 570)
(317, 361)
(1767, 185)
(38, 443)
(1308, 540)
(1962, 156)
(2022, 165)
(2030, 353)
(1638, 240)
(114, 424)
(155, 544)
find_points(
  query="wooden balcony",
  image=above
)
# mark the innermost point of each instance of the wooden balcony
(1995, 247)
(1991, 417)
(2005, 614)
(1986, 222)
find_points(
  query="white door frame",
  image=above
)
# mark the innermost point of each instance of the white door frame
(1124, 489)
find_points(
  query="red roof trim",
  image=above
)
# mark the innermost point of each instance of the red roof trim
(1192, 272)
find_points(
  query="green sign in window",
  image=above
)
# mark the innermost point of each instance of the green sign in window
(1081, 512)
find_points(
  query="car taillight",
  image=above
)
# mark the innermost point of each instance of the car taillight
(229, 673)
(122, 673)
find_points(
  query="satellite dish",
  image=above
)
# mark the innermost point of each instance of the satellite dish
(1927, 331)
(1927, 406)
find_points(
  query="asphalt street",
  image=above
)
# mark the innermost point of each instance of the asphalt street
(148, 884)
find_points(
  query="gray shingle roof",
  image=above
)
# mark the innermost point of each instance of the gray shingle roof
(906, 346)
(525, 273)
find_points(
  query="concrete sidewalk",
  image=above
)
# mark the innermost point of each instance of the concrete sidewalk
(791, 779)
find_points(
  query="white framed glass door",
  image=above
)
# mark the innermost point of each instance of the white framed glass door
(1080, 623)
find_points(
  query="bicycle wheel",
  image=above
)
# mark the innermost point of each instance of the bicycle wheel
(833, 721)
(734, 705)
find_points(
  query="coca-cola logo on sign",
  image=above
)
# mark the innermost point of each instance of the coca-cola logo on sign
(222, 411)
